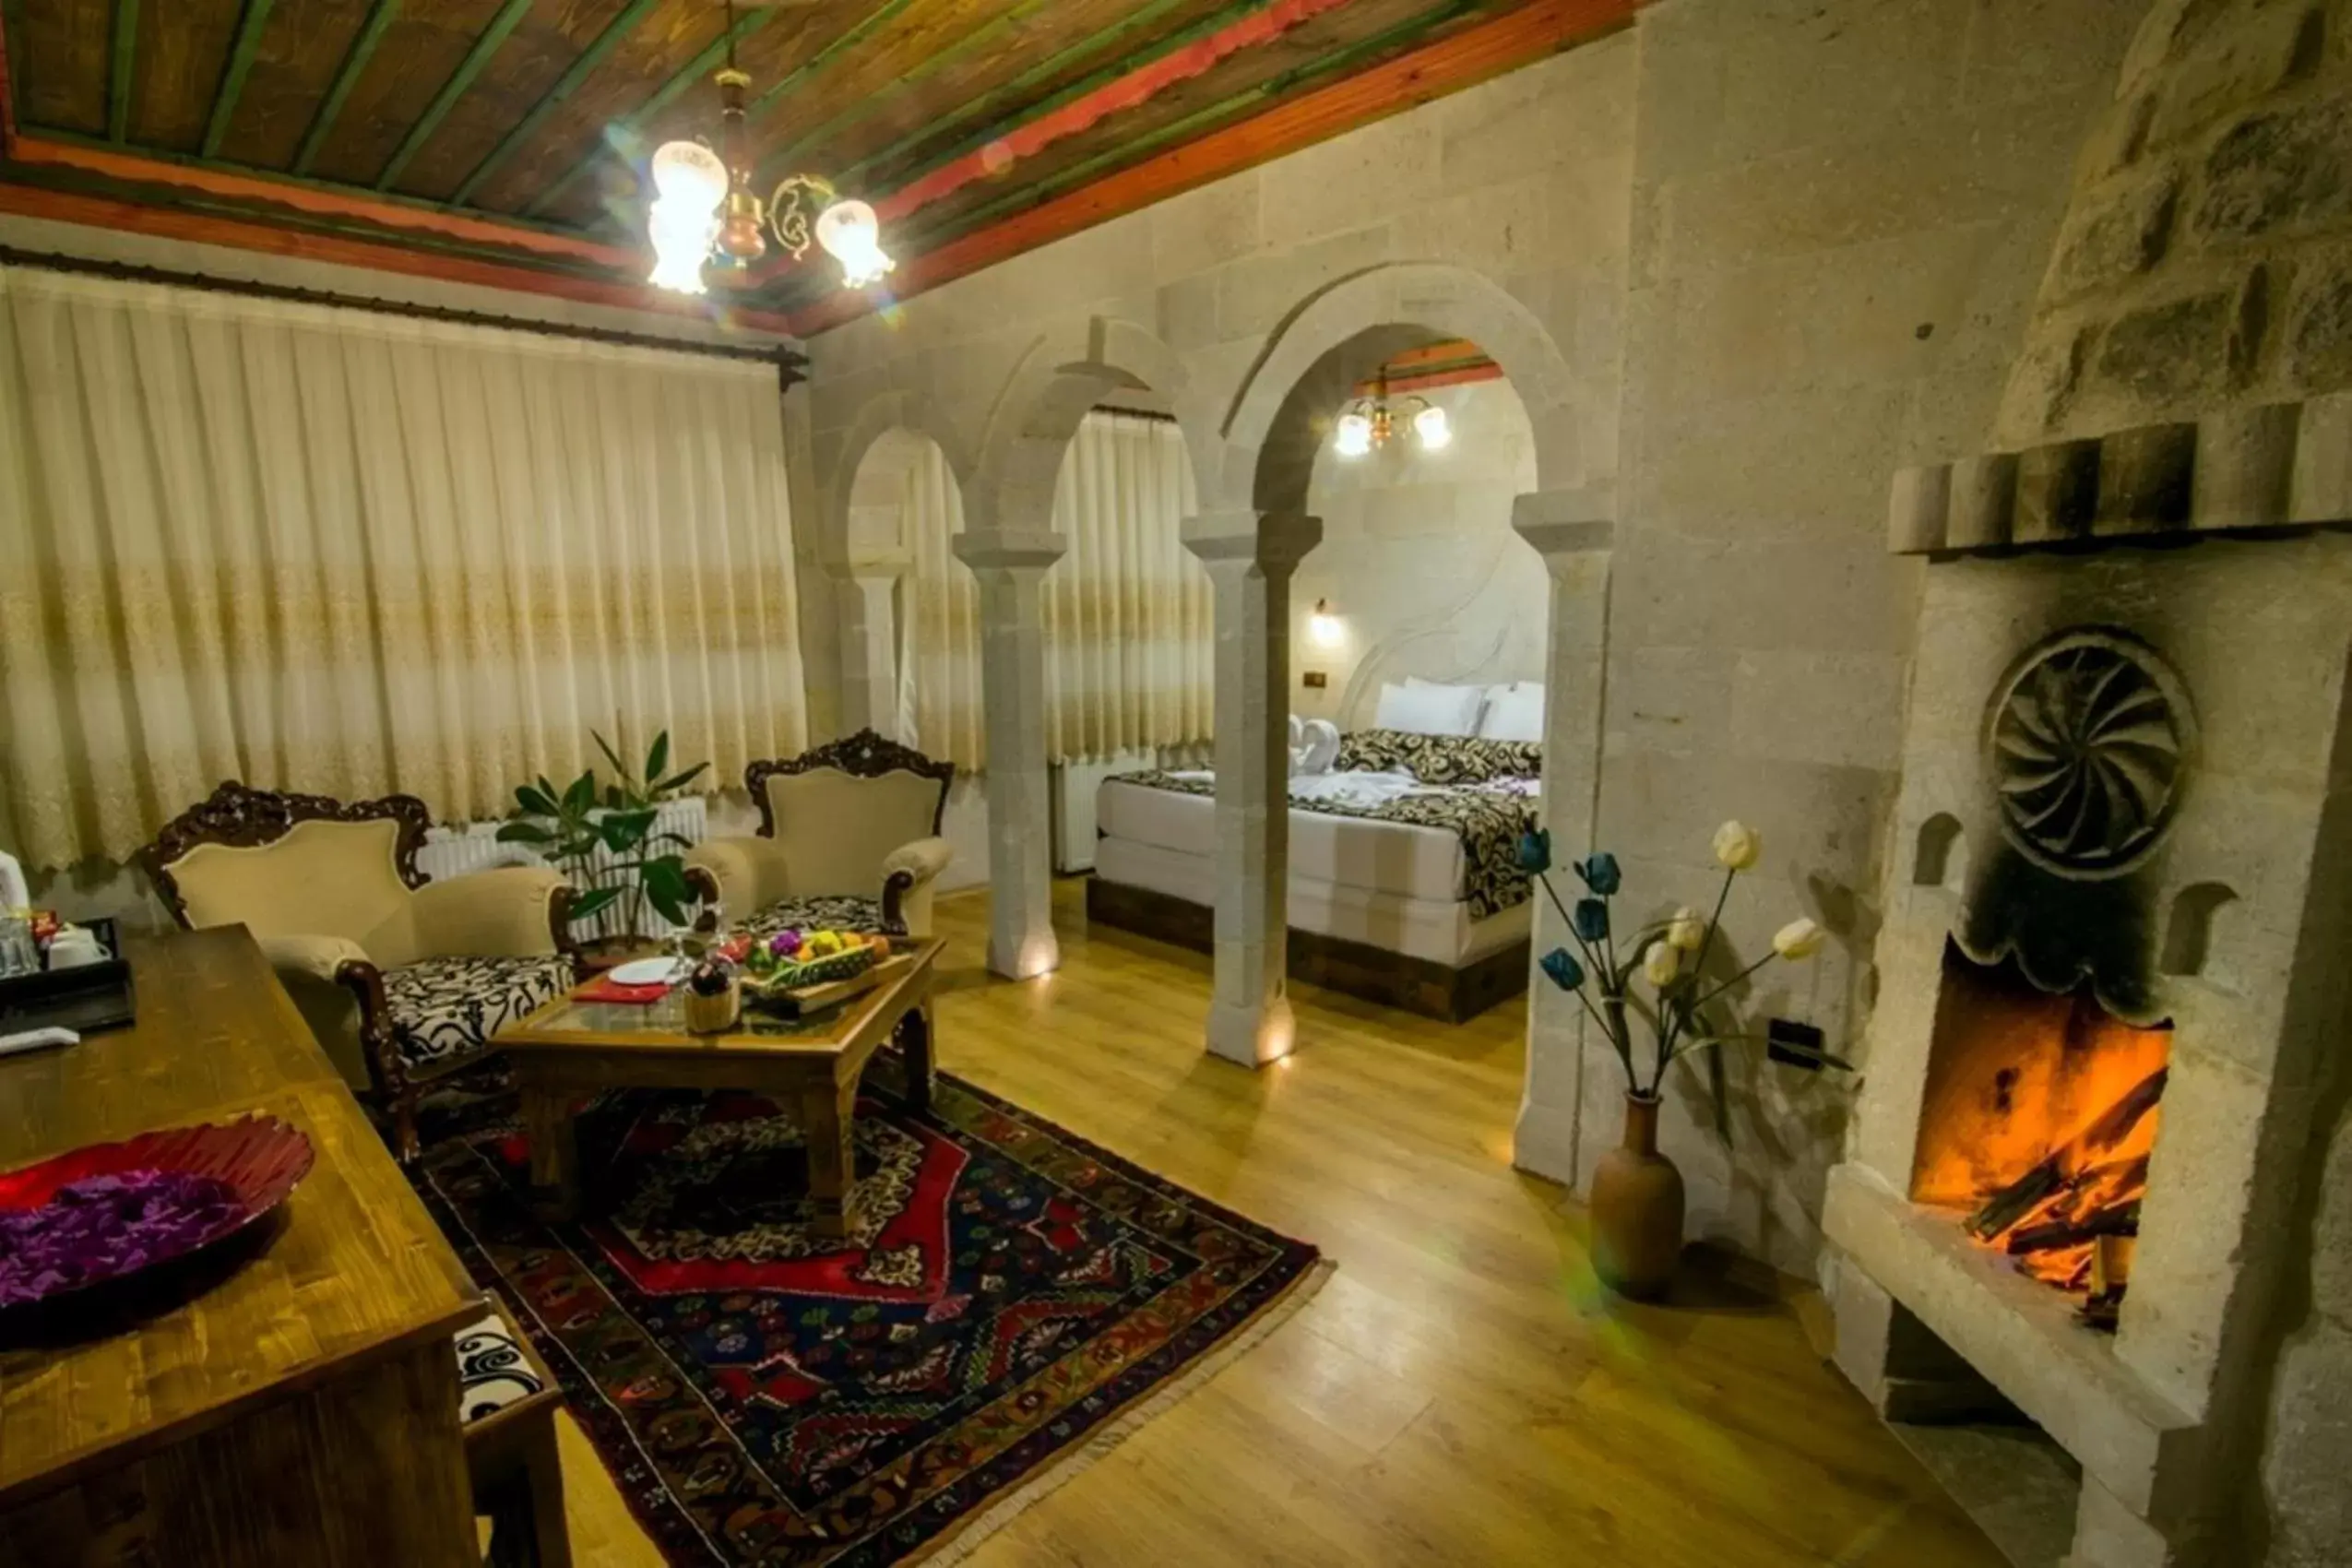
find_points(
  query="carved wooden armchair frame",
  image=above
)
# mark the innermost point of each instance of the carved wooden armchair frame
(238, 816)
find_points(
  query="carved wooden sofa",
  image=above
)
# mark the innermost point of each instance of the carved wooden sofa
(848, 840)
(402, 979)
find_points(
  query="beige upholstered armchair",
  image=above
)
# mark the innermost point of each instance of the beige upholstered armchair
(402, 979)
(848, 840)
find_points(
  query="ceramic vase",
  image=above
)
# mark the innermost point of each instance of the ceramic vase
(1637, 1209)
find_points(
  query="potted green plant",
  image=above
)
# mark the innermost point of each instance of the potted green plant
(605, 838)
(1637, 1197)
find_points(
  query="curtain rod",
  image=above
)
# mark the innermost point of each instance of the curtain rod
(1152, 414)
(789, 364)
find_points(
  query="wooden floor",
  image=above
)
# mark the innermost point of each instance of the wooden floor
(1461, 1391)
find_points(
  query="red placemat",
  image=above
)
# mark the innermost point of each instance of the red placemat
(626, 996)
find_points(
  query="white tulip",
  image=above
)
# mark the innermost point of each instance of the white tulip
(1686, 930)
(1737, 846)
(1661, 964)
(1799, 939)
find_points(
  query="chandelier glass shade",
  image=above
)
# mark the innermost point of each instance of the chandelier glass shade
(1370, 424)
(705, 210)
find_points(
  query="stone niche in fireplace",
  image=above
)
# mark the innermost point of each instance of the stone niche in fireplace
(2089, 1145)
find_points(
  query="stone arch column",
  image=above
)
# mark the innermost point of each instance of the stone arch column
(1010, 542)
(1272, 433)
(1250, 556)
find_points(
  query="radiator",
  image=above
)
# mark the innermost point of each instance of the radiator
(455, 851)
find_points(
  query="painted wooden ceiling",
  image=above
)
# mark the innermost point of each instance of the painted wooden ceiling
(503, 142)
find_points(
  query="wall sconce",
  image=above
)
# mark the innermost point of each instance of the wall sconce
(1323, 627)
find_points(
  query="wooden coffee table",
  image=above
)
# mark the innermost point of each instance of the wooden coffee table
(570, 1049)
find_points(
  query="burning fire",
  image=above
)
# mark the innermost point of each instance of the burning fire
(2040, 1114)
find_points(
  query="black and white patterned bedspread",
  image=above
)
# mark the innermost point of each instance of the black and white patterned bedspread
(1489, 819)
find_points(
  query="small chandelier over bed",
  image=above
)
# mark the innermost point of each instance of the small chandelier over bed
(705, 211)
(1370, 423)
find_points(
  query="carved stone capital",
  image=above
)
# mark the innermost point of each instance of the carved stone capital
(1275, 543)
(1009, 548)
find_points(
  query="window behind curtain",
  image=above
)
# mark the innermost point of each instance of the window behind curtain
(346, 554)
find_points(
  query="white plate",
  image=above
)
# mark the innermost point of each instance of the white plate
(647, 971)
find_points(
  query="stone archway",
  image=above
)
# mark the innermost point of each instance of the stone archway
(1010, 543)
(1253, 543)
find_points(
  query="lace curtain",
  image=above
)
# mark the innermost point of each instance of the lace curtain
(348, 554)
(1128, 611)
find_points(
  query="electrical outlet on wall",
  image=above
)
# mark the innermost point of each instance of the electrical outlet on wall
(1315, 679)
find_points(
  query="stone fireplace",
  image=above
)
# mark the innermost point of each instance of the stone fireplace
(2110, 977)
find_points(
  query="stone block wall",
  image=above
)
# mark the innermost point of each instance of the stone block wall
(1840, 212)
(2206, 259)
(1420, 564)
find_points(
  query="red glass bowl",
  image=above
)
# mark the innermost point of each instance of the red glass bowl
(260, 1158)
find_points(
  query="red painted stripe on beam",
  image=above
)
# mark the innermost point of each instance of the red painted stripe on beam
(8, 104)
(102, 213)
(316, 203)
(1466, 376)
(1131, 91)
(1463, 60)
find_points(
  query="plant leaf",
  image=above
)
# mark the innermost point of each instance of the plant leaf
(581, 796)
(530, 800)
(592, 905)
(680, 780)
(610, 754)
(658, 758)
(525, 833)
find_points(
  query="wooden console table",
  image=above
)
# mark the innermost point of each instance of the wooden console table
(301, 1410)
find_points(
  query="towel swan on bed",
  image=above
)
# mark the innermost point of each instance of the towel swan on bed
(1314, 746)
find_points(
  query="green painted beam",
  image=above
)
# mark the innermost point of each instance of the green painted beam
(509, 17)
(568, 83)
(680, 80)
(786, 156)
(347, 76)
(232, 79)
(122, 53)
(1045, 70)
(1236, 106)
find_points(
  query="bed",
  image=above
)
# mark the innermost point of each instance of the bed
(1404, 884)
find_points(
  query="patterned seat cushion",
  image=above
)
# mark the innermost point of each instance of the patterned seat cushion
(823, 914)
(447, 1008)
(492, 1371)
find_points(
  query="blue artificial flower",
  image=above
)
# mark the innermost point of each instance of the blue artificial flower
(1600, 873)
(1534, 851)
(1592, 920)
(1562, 966)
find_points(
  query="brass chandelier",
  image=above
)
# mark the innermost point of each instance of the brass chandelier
(706, 211)
(1371, 423)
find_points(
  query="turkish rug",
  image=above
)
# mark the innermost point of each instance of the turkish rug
(1013, 1300)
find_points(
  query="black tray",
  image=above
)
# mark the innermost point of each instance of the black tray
(85, 1000)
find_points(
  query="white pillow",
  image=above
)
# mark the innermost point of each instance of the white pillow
(1513, 713)
(1430, 711)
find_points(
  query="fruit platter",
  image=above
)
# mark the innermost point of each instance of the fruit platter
(793, 970)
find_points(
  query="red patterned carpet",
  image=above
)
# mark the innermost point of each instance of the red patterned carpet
(1014, 1297)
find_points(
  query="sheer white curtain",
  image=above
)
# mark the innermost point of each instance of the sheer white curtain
(939, 645)
(344, 553)
(1129, 614)
(1128, 611)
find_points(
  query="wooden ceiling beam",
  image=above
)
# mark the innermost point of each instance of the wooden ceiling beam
(255, 17)
(636, 119)
(509, 17)
(1045, 70)
(1272, 91)
(872, 103)
(849, 38)
(615, 33)
(313, 199)
(346, 77)
(72, 207)
(1473, 55)
(121, 54)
